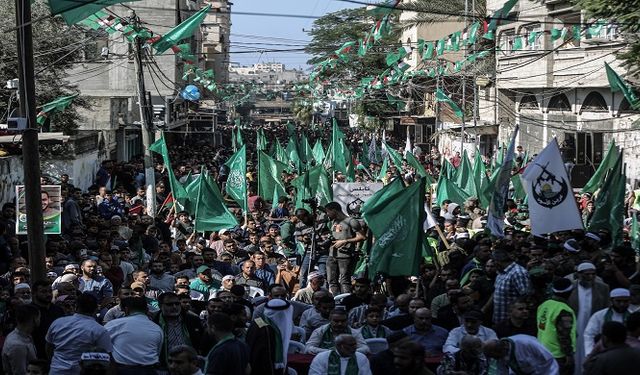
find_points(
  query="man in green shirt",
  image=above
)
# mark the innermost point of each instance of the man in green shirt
(557, 326)
(204, 282)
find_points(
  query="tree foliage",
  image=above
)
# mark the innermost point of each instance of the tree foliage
(331, 31)
(56, 47)
(302, 111)
(626, 14)
(430, 11)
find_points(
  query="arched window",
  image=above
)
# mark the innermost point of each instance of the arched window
(410, 56)
(594, 102)
(559, 103)
(625, 107)
(529, 102)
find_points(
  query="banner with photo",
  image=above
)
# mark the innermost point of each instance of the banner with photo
(51, 203)
(352, 195)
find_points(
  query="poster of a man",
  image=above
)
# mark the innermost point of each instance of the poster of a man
(50, 200)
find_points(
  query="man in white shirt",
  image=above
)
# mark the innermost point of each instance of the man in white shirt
(618, 312)
(472, 325)
(136, 340)
(588, 296)
(521, 353)
(344, 359)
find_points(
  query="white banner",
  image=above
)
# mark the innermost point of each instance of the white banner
(552, 206)
(352, 195)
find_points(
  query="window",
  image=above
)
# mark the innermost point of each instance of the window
(626, 108)
(506, 42)
(559, 103)
(533, 37)
(529, 102)
(594, 102)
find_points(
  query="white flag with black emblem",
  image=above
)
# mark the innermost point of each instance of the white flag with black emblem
(552, 206)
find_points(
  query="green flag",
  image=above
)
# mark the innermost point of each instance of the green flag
(609, 205)
(415, 164)
(396, 223)
(209, 211)
(234, 140)
(448, 170)
(307, 151)
(387, 190)
(178, 191)
(383, 169)
(269, 175)
(236, 185)
(261, 141)
(239, 140)
(351, 171)
(606, 164)
(338, 150)
(303, 191)
(635, 233)
(275, 199)
(281, 154)
(480, 175)
(318, 152)
(58, 105)
(447, 189)
(519, 194)
(442, 97)
(323, 193)
(484, 195)
(182, 31)
(394, 155)
(292, 154)
(472, 33)
(619, 85)
(392, 58)
(465, 179)
(74, 11)
(500, 15)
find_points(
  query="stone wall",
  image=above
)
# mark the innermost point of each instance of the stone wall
(81, 170)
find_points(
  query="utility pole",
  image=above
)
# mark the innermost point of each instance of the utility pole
(30, 152)
(437, 103)
(145, 123)
(475, 89)
(464, 76)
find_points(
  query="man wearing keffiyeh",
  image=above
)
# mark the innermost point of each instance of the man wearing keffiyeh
(269, 336)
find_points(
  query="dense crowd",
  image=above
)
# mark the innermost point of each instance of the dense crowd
(127, 293)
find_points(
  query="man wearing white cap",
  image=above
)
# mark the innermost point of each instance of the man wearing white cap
(316, 282)
(588, 296)
(618, 312)
(268, 337)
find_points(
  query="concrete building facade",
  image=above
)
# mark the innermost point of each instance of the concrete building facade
(559, 88)
(107, 75)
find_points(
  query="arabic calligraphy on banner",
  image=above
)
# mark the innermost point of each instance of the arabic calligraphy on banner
(352, 195)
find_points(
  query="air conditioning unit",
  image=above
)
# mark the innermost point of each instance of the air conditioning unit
(16, 123)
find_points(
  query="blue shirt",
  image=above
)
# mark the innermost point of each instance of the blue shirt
(71, 336)
(99, 286)
(266, 276)
(432, 341)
